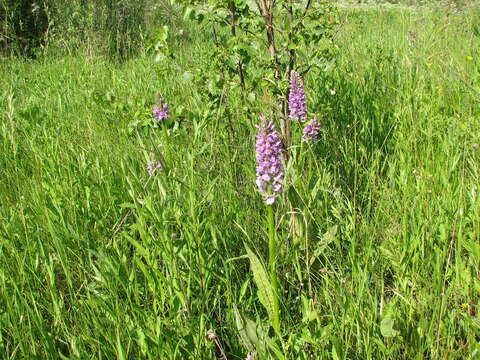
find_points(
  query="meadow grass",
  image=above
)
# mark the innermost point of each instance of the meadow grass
(379, 259)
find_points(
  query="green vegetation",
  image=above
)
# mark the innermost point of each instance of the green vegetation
(379, 258)
(113, 28)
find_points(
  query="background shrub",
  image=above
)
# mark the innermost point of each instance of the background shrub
(114, 28)
(23, 24)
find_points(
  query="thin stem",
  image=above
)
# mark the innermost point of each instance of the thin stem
(267, 14)
(233, 28)
(301, 155)
(166, 158)
(310, 161)
(291, 52)
(272, 247)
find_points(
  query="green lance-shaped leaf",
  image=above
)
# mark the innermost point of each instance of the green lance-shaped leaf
(265, 289)
(242, 330)
(252, 336)
(386, 328)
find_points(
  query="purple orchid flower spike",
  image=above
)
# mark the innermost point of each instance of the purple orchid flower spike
(153, 167)
(296, 98)
(270, 171)
(161, 111)
(311, 131)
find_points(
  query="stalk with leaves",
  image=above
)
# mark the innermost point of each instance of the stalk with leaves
(270, 176)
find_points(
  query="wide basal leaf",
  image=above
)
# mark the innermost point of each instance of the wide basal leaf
(386, 328)
(242, 329)
(265, 289)
(252, 335)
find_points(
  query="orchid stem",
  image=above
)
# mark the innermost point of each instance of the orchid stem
(272, 247)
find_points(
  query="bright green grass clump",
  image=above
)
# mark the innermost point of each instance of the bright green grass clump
(380, 261)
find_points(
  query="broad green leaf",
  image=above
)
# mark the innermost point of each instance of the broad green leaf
(187, 76)
(189, 13)
(265, 290)
(386, 328)
(141, 341)
(336, 350)
(253, 336)
(251, 331)
(120, 352)
(242, 331)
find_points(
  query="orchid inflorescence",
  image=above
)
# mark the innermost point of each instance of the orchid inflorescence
(160, 111)
(296, 98)
(270, 171)
(311, 131)
(153, 167)
(298, 108)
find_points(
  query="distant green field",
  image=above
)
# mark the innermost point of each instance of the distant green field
(381, 260)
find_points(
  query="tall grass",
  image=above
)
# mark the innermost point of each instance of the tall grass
(379, 259)
(117, 29)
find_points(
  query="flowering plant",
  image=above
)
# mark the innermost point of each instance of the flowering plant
(161, 110)
(270, 171)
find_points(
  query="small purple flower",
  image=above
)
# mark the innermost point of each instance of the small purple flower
(153, 167)
(296, 98)
(311, 131)
(269, 161)
(161, 112)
